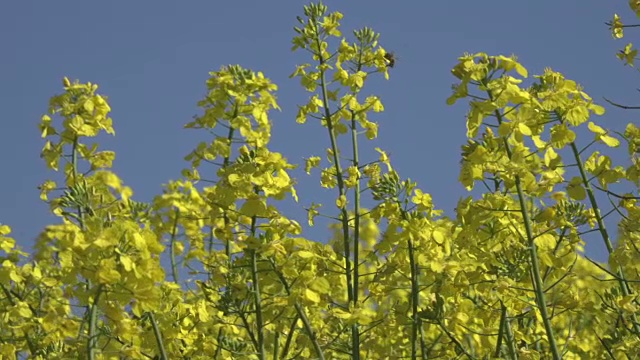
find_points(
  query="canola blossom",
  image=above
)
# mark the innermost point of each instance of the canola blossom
(504, 277)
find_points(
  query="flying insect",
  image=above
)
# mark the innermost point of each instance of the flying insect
(391, 59)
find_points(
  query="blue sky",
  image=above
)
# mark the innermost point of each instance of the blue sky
(152, 60)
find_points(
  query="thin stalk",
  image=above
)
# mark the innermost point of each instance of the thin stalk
(276, 346)
(92, 340)
(416, 322)
(92, 310)
(287, 343)
(555, 251)
(511, 342)
(501, 330)
(211, 238)
(257, 297)
(227, 245)
(172, 251)
(533, 254)
(535, 268)
(506, 333)
(624, 286)
(355, 338)
(415, 298)
(74, 164)
(356, 230)
(453, 339)
(312, 335)
(211, 244)
(245, 322)
(218, 346)
(424, 351)
(158, 336)
(301, 314)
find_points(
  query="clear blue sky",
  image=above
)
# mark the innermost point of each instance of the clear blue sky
(152, 60)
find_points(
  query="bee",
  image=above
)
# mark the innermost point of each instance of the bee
(391, 59)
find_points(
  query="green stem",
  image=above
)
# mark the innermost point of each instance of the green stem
(624, 286)
(158, 336)
(312, 335)
(227, 244)
(452, 337)
(501, 330)
(211, 241)
(424, 351)
(92, 340)
(355, 338)
(301, 314)
(555, 252)
(287, 343)
(505, 332)
(257, 298)
(416, 322)
(533, 253)
(172, 252)
(535, 268)
(218, 346)
(276, 346)
(90, 309)
(415, 298)
(356, 230)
